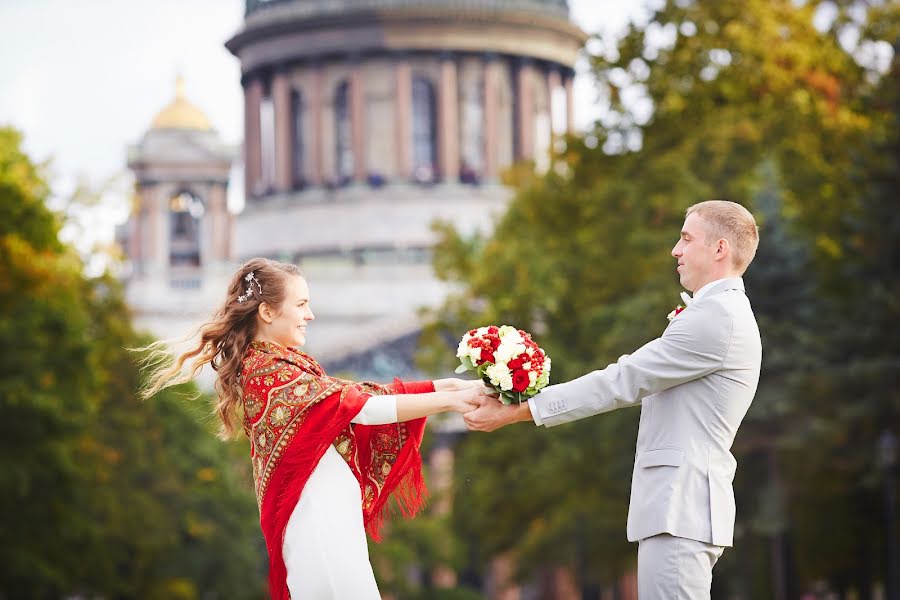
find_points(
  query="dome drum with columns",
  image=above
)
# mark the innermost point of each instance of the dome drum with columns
(371, 91)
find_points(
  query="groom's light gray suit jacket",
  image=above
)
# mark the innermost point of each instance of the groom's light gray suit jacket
(694, 384)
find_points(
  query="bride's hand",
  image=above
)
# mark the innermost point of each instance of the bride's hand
(454, 385)
(471, 398)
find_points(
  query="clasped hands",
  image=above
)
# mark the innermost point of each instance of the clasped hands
(480, 407)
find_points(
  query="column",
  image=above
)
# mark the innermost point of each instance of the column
(136, 230)
(316, 106)
(253, 91)
(357, 118)
(403, 117)
(492, 74)
(281, 100)
(554, 83)
(151, 228)
(525, 102)
(158, 198)
(570, 104)
(448, 121)
(219, 224)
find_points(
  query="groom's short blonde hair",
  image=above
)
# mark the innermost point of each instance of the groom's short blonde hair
(733, 222)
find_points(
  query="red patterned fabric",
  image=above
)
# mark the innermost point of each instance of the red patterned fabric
(292, 412)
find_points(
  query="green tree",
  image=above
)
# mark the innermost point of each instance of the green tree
(855, 396)
(48, 384)
(103, 495)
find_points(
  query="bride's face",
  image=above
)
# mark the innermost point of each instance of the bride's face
(288, 323)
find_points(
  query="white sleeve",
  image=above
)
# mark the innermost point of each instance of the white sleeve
(378, 410)
(535, 413)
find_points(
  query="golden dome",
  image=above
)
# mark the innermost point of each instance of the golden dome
(181, 114)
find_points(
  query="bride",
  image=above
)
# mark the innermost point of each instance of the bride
(326, 452)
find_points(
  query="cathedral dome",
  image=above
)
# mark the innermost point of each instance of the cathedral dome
(277, 32)
(181, 114)
(312, 8)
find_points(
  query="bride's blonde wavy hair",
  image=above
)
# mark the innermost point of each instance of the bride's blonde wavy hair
(223, 340)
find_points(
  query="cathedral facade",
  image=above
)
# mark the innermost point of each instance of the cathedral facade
(365, 121)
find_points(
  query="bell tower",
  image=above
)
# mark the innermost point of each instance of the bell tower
(178, 239)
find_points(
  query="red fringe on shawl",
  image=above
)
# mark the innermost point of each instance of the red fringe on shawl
(327, 420)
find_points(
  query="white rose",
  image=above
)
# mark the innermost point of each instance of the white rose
(505, 352)
(496, 373)
(532, 378)
(506, 382)
(463, 348)
(511, 335)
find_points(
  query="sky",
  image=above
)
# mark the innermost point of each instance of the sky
(83, 80)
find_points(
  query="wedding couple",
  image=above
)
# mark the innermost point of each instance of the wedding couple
(327, 453)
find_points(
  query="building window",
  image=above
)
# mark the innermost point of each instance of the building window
(185, 213)
(472, 133)
(343, 133)
(424, 130)
(297, 175)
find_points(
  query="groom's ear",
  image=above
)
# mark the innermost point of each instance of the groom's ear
(723, 249)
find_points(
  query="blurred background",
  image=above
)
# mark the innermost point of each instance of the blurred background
(432, 166)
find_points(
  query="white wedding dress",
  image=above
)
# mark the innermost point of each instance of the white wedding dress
(325, 548)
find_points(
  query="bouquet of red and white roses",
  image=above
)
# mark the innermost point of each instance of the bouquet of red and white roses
(507, 359)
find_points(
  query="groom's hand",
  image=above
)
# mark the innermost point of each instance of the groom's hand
(493, 414)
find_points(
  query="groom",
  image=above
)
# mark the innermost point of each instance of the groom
(694, 384)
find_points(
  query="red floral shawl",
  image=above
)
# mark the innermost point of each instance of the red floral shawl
(293, 412)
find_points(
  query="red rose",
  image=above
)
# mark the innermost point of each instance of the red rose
(493, 330)
(520, 380)
(495, 342)
(514, 364)
(486, 357)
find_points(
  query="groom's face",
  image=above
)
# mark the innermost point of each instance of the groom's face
(696, 259)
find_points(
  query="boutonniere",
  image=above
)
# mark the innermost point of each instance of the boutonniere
(687, 301)
(675, 312)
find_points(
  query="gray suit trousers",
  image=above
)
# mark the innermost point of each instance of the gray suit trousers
(674, 568)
